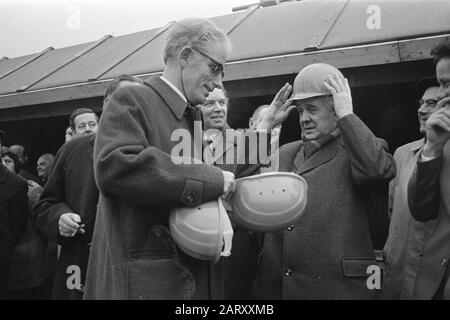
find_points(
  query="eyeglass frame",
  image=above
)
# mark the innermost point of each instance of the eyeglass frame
(218, 67)
(432, 104)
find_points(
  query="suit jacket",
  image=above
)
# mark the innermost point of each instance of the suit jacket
(325, 255)
(429, 200)
(14, 216)
(238, 151)
(240, 267)
(70, 188)
(132, 254)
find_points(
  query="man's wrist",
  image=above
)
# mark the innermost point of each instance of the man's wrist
(264, 125)
(431, 151)
(344, 113)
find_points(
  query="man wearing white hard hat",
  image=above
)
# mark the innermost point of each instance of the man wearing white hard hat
(325, 255)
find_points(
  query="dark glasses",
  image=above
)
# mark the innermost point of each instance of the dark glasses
(429, 103)
(217, 68)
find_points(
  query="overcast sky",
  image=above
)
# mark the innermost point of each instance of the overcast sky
(30, 26)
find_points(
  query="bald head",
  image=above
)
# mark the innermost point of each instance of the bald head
(258, 114)
(44, 165)
(19, 151)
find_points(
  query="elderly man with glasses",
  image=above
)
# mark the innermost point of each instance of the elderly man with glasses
(133, 255)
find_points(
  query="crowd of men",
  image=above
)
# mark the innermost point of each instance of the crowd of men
(94, 224)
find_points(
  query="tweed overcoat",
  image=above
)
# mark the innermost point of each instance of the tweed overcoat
(325, 254)
(133, 254)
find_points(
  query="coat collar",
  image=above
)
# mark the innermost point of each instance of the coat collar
(325, 154)
(416, 145)
(170, 97)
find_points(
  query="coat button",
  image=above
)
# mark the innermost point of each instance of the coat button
(190, 198)
(288, 272)
(291, 227)
(444, 262)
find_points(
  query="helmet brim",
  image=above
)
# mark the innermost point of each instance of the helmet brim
(304, 96)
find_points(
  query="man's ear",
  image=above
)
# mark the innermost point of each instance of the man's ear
(335, 116)
(184, 55)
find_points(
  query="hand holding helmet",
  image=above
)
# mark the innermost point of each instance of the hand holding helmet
(229, 184)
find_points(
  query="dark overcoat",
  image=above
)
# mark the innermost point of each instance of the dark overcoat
(325, 254)
(14, 216)
(70, 188)
(132, 254)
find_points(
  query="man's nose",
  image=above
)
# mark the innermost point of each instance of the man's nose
(304, 117)
(217, 82)
(217, 108)
(423, 109)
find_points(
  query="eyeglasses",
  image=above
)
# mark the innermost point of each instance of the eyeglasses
(217, 68)
(429, 103)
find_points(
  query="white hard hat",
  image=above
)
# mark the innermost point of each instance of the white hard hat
(203, 232)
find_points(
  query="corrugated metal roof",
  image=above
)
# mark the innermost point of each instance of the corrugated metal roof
(7, 65)
(399, 19)
(93, 63)
(258, 34)
(282, 29)
(38, 68)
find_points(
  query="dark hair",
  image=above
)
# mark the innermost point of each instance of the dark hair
(423, 84)
(116, 82)
(76, 113)
(441, 51)
(14, 158)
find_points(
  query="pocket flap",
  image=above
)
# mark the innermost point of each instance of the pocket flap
(356, 267)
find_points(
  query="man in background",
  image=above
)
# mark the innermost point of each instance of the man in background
(67, 208)
(44, 165)
(405, 245)
(13, 218)
(22, 154)
(429, 189)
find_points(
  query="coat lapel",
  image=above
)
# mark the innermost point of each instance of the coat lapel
(176, 104)
(325, 154)
(216, 149)
(91, 149)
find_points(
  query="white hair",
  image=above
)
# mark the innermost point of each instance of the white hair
(198, 33)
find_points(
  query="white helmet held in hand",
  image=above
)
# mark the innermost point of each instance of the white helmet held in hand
(203, 232)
